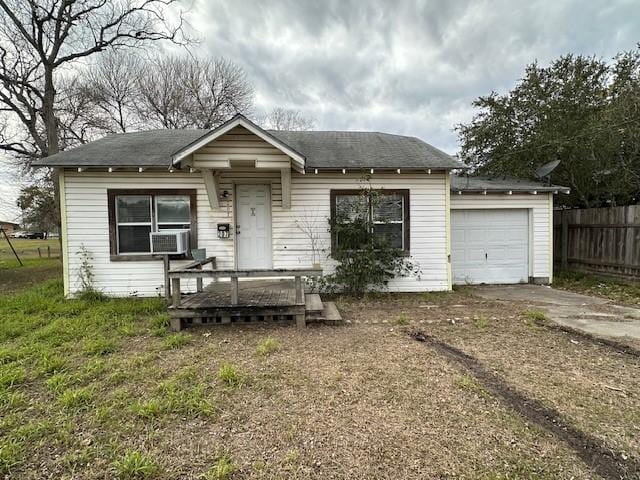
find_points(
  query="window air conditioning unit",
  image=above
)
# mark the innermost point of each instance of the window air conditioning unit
(170, 241)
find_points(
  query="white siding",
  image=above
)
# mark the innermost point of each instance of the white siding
(310, 201)
(240, 141)
(85, 197)
(539, 222)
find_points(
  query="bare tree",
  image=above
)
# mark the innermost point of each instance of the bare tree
(111, 88)
(163, 96)
(39, 39)
(188, 92)
(287, 119)
(79, 119)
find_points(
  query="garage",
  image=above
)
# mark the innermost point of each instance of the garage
(490, 246)
(501, 230)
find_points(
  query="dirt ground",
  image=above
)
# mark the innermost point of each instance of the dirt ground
(594, 387)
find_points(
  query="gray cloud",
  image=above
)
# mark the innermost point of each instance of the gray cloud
(409, 67)
(406, 67)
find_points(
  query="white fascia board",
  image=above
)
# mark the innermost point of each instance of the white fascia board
(209, 137)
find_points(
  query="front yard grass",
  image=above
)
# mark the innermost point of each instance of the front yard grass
(99, 389)
(14, 278)
(27, 248)
(617, 290)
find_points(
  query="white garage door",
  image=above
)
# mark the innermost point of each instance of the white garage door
(490, 246)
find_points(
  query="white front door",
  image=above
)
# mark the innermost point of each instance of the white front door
(490, 246)
(253, 226)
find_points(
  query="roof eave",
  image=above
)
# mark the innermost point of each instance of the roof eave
(513, 190)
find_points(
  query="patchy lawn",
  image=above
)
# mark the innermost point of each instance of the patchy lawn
(99, 389)
(27, 248)
(617, 290)
(14, 278)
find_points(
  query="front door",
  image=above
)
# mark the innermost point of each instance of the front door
(253, 226)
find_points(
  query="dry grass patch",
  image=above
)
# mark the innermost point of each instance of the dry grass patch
(594, 386)
(351, 402)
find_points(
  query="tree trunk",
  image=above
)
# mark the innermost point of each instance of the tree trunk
(53, 147)
(48, 113)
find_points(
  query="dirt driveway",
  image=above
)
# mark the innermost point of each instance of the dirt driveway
(596, 316)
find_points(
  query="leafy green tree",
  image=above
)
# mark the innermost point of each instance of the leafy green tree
(580, 110)
(38, 206)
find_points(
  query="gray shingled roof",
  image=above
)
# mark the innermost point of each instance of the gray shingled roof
(365, 150)
(154, 148)
(500, 184)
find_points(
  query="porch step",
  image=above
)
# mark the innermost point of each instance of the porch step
(331, 313)
(313, 304)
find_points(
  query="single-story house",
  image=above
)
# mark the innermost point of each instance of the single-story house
(258, 199)
(9, 227)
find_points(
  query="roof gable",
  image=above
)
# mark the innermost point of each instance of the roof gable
(236, 121)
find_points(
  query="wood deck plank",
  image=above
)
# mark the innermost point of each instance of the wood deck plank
(313, 303)
(259, 293)
(331, 312)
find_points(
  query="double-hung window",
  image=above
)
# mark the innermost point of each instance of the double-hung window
(385, 212)
(133, 218)
(133, 215)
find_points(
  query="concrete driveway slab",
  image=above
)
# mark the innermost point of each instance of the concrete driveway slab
(597, 316)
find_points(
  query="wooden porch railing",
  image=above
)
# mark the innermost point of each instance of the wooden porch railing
(185, 272)
(196, 265)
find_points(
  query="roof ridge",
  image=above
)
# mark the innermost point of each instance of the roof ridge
(343, 131)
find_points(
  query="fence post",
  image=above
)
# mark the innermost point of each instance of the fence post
(167, 282)
(175, 291)
(564, 246)
(48, 251)
(39, 253)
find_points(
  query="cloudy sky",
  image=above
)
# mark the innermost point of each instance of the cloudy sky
(408, 67)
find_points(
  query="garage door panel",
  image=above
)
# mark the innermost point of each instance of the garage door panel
(474, 255)
(490, 246)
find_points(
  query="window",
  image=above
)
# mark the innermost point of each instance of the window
(172, 212)
(134, 224)
(134, 214)
(387, 214)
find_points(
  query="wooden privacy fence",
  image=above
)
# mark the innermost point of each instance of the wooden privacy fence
(599, 240)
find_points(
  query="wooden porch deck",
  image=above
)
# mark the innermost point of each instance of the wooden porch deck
(258, 301)
(251, 293)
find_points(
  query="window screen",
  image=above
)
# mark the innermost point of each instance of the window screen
(173, 212)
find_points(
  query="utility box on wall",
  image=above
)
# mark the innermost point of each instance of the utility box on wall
(223, 230)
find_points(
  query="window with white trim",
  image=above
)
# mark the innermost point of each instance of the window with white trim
(388, 219)
(133, 223)
(173, 212)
